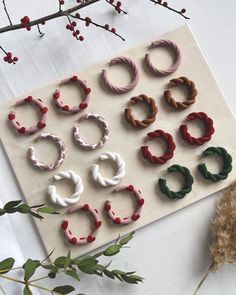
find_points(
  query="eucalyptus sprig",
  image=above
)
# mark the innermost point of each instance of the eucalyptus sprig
(67, 266)
(18, 206)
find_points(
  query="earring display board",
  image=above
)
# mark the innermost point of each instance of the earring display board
(123, 139)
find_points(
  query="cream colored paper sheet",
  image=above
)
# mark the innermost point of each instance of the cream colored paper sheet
(123, 139)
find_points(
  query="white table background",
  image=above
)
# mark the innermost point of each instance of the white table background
(172, 254)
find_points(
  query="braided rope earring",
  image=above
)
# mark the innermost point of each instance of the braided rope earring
(151, 117)
(227, 167)
(82, 240)
(46, 167)
(103, 181)
(192, 93)
(29, 130)
(209, 129)
(170, 147)
(122, 89)
(173, 67)
(187, 188)
(83, 105)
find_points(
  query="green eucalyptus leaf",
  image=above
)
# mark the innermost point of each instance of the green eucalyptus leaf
(47, 210)
(37, 206)
(126, 239)
(118, 272)
(30, 267)
(88, 261)
(62, 261)
(129, 279)
(36, 215)
(2, 211)
(137, 278)
(11, 210)
(23, 208)
(64, 289)
(12, 204)
(27, 291)
(76, 262)
(118, 277)
(73, 274)
(6, 265)
(112, 250)
(108, 274)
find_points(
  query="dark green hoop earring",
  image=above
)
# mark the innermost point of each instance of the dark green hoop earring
(223, 174)
(187, 188)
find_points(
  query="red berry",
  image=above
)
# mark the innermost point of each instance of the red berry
(68, 27)
(77, 15)
(107, 207)
(44, 110)
(74, 34)
(15, 59)
(9, 54)
(11, 116)
(10, 61)
(73, 24)
(117, 220)
(98, 224)
(165, 4)
(77, 32)
(65, 108)
(88, 19)
(183, 10)
(64, 224)
(141, 202)
(111, 1)
(43, 22)
(83, 106)
(106, 27)
(113, 30)
(118, 4)
(87, 90)
(135, 217)
(90, 239)
(28, 28)
(85, 207)
(81, 38)
(41, 125)
(73, 241)
(5, 58)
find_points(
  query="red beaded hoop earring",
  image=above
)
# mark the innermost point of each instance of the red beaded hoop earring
(66, 108)
(200, 140)
(170, 148)
(29, 130)
(126, 220)
(82, 240)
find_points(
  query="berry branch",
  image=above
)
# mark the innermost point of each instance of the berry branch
(165, 5)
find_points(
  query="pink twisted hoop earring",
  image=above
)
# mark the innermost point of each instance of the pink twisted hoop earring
(82, 240)
(29, 130)
(66, 108)
(47, 167)
(135, 75)
(173, 67)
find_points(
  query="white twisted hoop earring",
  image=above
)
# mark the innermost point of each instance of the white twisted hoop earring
(116, 178)
(75, 197)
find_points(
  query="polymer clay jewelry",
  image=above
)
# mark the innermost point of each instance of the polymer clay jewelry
(115, 179)
(105, 129)
(66, 108)
(209, 129)
(82, 240)
(227, 167)
(46, 167)
(151, 117)
(170, 147)
(135, 75)
(73, 199)
(173, 67)
(29, 130)
(190, 99)
(135, 216)
(187, 187)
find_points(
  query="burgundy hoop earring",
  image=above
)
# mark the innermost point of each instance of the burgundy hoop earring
(82, 240)
(200, 140)
(29, 130)
(66, 108)
(170, 148)
(135, 216)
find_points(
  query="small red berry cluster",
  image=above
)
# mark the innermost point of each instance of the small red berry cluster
(117, 5)
(71, 26)
(25, 23)
(62, 2)
(10, 58)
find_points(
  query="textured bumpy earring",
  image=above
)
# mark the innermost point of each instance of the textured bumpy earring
(177, 58)
(135, 75)
(209, 129)
(66, 108)
(82, 240)
(151, 117)
(190, 99)
(227, 167)
(135, 216)
(187, 187)
(40, 124)
(170, 147)
(46, 167)
(115, 179)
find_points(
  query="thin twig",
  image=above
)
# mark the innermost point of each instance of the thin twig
(170, 8)
(115, 6)
(203, 280)
(41, 34)
(5, 8)
(3, 292)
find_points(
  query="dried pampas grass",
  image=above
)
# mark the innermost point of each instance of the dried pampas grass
(223, 245)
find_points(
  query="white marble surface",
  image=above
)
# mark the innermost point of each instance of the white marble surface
(172, 254)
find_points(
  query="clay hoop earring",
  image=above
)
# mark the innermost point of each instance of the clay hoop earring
(47, 167)
(227, 167)
(121, 89)
(105, 128)
(170, 148)
(30, 130)
(126, 220)
(66, 108)
(82, 240)
(209, 129)
(75, 197)
(187, 187)
(177, 58)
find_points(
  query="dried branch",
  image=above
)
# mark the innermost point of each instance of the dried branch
(165, 5)
(6, 11)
